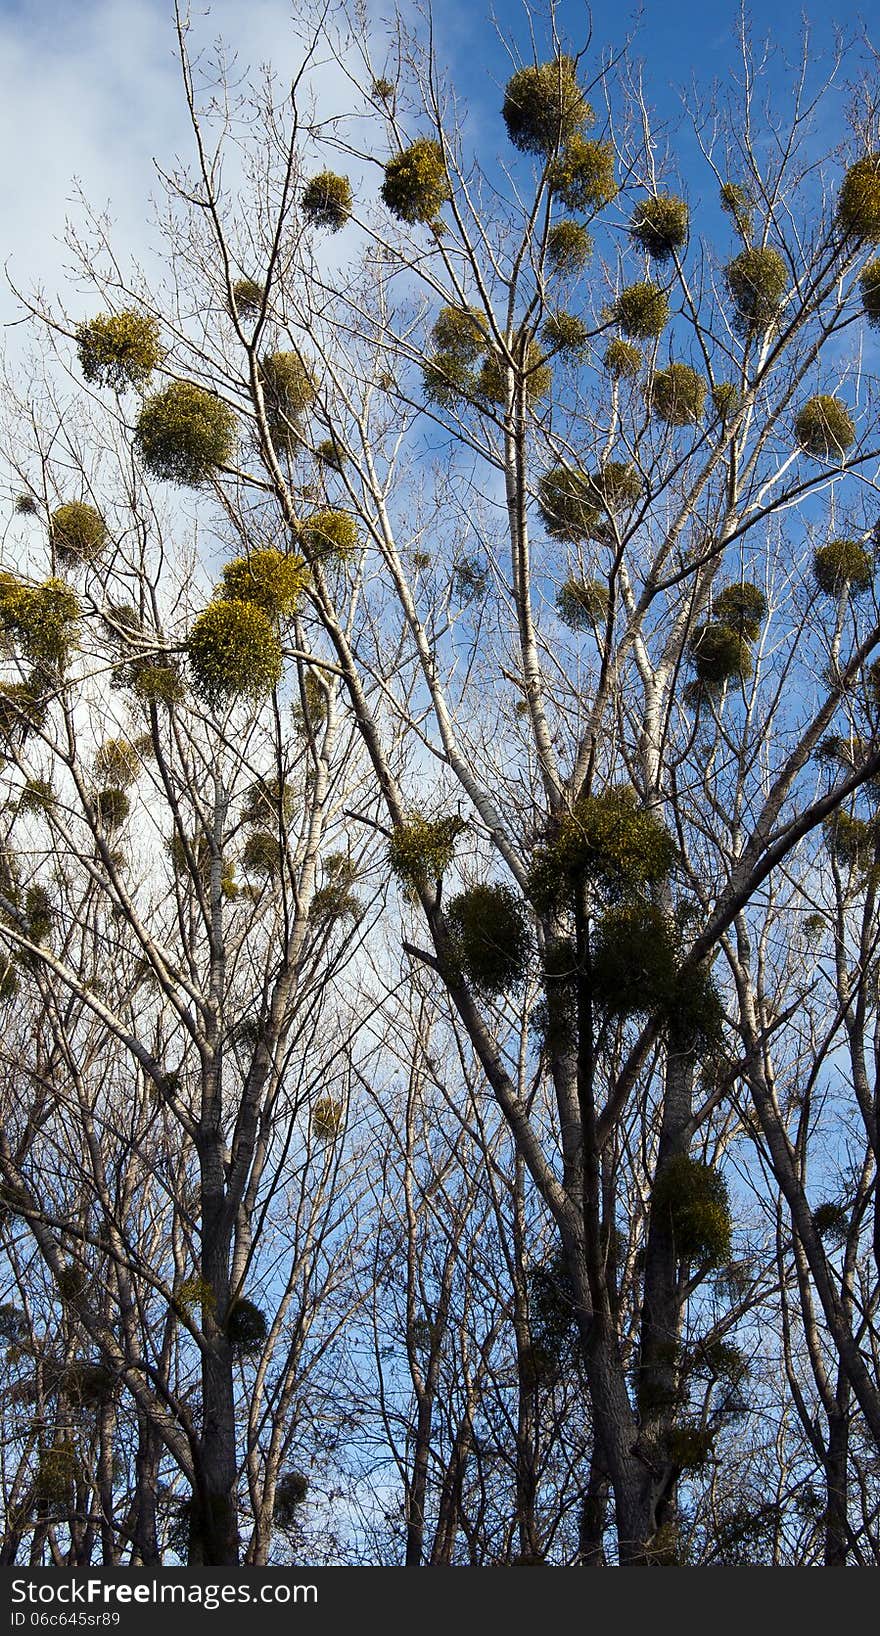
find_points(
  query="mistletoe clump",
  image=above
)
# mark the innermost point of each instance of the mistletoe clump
(622, 360)
(326, 200)
(742, 607)
(567, 503)
(824, 428)
(330, 535)
(118, 761)
(660, 225)
(119, 349)
(290, 1493)
(327, 1117)
(569, 246)
(490, 935)
(39, 913)
(23, 708)
(831, 1221)
(37, 796)
(197, 856)
(41, 619)
(262, 854)
(757, 280)
(636, 959)
(566, 333)
(234, 652)
(642, 310)
(247, 297)
(246, 1328)
(157, 683)
(461, 332)
(421, 849)
(608, 840)
(720, 654)
(677, 395)
(843, 563)
(113, 807)
(416, 185)
(852, 841)
(330, 454)
(726, 400)
(289, 391)
(184, 433)
(869, 285)
(272, 580)
(738, 203)
(55, 1476)
(78, 532)
(693, 1199)
(493, 380)
(582, 177)
(269, 801)
(858, 203)
(25, 505)
(582, 603)
(544, 107)
(447, 379)
(615, 487)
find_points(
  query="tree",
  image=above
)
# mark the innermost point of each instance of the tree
(575, 570)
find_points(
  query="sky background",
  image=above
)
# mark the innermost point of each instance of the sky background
(91, 91)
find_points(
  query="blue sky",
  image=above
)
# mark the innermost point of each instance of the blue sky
(91, 89)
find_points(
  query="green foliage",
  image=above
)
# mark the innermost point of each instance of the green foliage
(330, 536)
(608, 840)
(869, 285)
(852, 841)
(494, 376)
(184, 433)
(660, 225)
(119, 349)
(246, 1329)
(234, 651)
(112, 806)
(416, 186)
(692, 1198)
(719, 654)
(582, 177)
(269, 802)
(569, 247)
(840, 563)
(726, 400)
(738, 203)
(327, 1117)
(742, 607)
(567, 504)
(289, 391)
(383, 90)
(544, 107)
(91, 1383)
(461, 333)
(118, 762)
(156, 683)
(636, 971)
(272, 581)
(23, 708)
(689, 1445)
(470, 579)
(622, 360)
(831, 1221)
(326, 200)
(247, 296)
(642, 310)
(582, 604)
(566, 333)
(334, 902)
(290, 1493)
(37, 796)
(262, 854)
(490, 932)
(42, 619)
(39, 913)
(314, 715)
(330, 454)
(78, 532)
(55, 1476)
(552, 1307)
(447, 380)
(858, 202)
(192, 1295)
(677, 395)
(615, 487)
(824, 428)
(757, 281)
(421, 849)
(25, 505)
